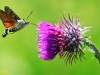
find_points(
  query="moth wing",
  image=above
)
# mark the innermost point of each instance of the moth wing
(11, 13)
(7, 20)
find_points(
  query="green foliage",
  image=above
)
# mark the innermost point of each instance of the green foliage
(18, 51)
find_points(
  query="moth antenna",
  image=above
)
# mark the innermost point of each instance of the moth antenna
(29, 15)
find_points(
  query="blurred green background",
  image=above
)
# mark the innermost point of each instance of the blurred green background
(18, 51)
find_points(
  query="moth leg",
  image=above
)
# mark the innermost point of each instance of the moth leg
(11, 32)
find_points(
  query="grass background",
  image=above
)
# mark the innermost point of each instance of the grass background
(18, 51)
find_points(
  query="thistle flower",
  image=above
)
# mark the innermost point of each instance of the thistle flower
(65, 38)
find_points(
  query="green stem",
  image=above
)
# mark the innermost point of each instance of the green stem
(97, 53)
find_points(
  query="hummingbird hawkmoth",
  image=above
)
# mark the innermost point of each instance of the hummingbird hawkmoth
(11, 21)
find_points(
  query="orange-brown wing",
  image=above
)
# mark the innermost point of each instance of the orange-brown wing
(7, 20)
(11, 13)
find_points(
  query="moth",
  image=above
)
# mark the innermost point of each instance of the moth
(11, 21)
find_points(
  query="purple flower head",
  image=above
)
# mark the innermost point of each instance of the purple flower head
(50, 40)
(66, 39)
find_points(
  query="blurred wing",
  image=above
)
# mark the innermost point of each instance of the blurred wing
(6, 19)
(11, 13)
